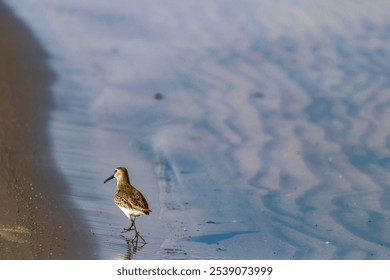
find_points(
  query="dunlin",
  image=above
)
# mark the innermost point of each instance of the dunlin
(129, 199)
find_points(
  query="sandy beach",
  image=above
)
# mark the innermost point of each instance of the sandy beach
(35, 220)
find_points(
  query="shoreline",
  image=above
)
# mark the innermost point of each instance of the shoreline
(36, 220)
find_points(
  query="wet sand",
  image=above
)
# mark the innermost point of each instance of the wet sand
(36, 221)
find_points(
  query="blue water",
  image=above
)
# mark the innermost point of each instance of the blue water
(255, 129)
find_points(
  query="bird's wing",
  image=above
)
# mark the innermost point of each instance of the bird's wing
(138, 201)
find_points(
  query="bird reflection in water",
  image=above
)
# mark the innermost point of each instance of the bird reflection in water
(133, 246)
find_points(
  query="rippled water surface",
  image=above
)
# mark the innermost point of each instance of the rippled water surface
(255, 129)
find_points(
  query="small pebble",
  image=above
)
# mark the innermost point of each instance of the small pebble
(158, 96)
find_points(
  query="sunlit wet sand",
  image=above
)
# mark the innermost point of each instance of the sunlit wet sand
(18, 234)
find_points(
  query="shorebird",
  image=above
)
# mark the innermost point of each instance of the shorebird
(129, 199)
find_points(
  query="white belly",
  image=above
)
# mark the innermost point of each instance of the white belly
(131, 212)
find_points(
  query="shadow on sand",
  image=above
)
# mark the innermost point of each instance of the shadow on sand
(218, 237)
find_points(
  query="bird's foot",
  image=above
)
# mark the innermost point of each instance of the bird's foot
(136, 237)
(128, 229)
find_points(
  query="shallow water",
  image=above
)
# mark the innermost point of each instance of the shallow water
(269, 138)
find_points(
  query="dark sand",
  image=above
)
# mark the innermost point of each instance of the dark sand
(35, 221)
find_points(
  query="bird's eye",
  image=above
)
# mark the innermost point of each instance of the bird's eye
(115, 170)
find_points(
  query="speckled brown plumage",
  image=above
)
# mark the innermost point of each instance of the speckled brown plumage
(129, 197)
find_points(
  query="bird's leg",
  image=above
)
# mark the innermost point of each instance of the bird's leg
(137, 235)
(132, 226)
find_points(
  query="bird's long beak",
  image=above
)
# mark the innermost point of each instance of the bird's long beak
(109, 178)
